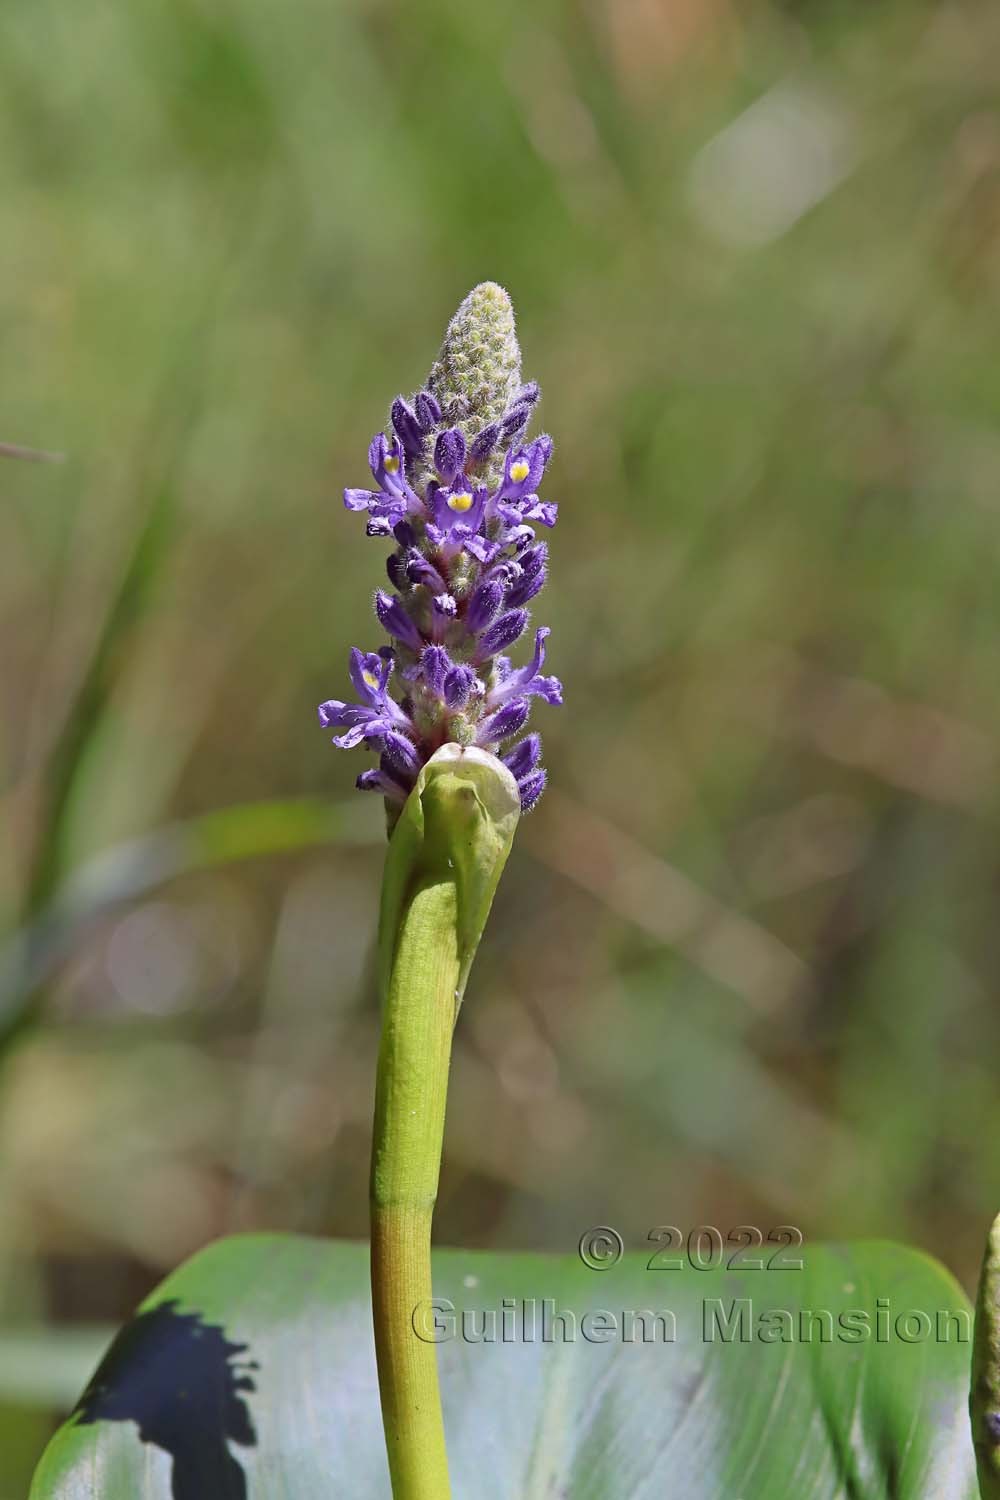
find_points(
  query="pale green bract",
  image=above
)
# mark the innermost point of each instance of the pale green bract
(458, 823)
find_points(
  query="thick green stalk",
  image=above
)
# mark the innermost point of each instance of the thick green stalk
(444, 861)
(409, 1126)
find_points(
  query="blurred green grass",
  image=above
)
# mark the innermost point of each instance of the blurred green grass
(742, 967)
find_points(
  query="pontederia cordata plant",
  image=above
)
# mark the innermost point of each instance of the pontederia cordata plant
(457, 492)
(275, 1330)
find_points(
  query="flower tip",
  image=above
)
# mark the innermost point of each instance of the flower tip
(491, 293)
(478, 370)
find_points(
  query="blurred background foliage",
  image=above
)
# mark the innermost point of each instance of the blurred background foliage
(742, 966)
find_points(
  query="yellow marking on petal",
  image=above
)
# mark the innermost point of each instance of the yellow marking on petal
(370, 680)
(462, 502)
(391, 465)
(519, 470)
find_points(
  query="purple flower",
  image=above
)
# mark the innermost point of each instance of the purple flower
(524, 757)
(419, 570)
(376, 714)
(484, 442)
(459, 509)
(503, 633)
(449, 454)
(531, 788)
(522, 762)
(428, 411)
(401, 751)
(458, 686)
(507, 721)
(484, 605)
(518, 414)
(516, 501)
(523, 469)
(435, 664)
(408, 428)
(533, 563)
(456, 493)
(533, 509)
(394, 496)
(393, 617)
(526, 681)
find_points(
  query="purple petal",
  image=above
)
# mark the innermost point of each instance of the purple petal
(535, 559)
(359, 499)
(526, 588)
(484, 442)
(334, 714)
(531, 788)
(365, 670)
(401, 751)
(419, 570)
(549, 688)
(524, 757)
(355, 734)
(526, 679)
(435, 664)
(393, 618)
(478, 547)
(515, 420)
(378, 450)
(539, 453)
(484, 604)
(407, 427)
(458, 686)
(449, 454)
(460, 507)
(428, 411)
(546, 511)
(537, 661)
(519, 537)
(504, 632)
(506, 721)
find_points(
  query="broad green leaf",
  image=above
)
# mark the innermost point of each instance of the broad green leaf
(250, 1373)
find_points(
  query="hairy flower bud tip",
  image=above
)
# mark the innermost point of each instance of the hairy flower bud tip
(478, 371)
(456, 488)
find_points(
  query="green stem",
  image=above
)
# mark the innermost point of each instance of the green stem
(444, 861)
(409, 1127)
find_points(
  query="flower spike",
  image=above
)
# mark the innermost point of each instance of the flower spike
(456, 489)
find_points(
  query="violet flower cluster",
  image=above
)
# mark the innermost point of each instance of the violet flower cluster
(456, 489)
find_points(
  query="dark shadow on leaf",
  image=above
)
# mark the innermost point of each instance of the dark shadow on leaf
(180, 1380)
